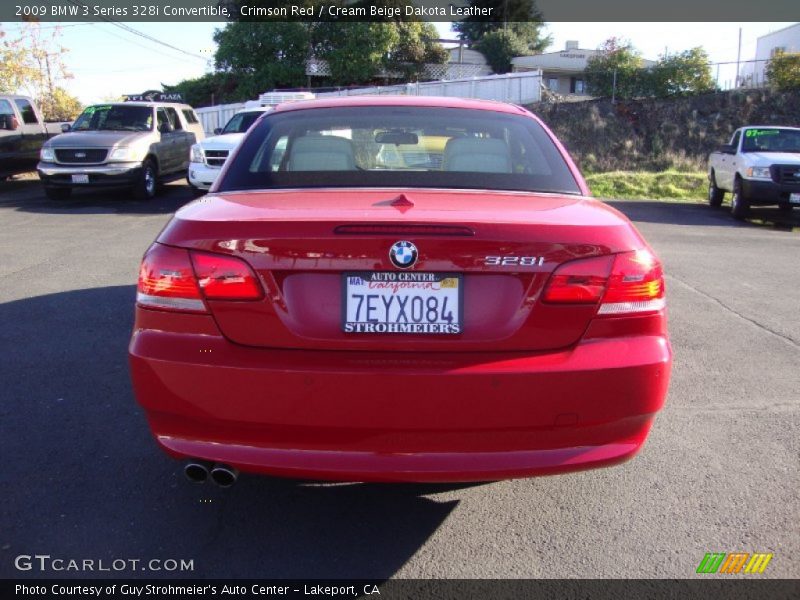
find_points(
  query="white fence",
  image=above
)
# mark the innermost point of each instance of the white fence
(212, 117)
(518, 88)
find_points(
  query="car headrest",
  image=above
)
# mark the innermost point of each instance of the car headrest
(321, 153)
(483, 155)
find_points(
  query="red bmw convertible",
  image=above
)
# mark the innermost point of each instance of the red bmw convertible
(399, 289)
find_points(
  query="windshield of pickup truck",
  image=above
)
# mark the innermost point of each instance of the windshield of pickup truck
(390, 146)
(241, 122)
(771, 140)
(115, 117)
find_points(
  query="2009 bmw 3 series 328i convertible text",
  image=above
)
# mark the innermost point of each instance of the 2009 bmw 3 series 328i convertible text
(399, 289)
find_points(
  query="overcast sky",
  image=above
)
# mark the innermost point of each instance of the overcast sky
(108, 61)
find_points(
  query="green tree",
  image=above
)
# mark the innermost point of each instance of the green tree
(520, 15)
(783, 71)
(359, 53)
(499, 47)
(355, 52)
(616, 69)
(261, 56)
(518, 31)
(417, 45)
(258, 56)
(687, 72)
(209, 89)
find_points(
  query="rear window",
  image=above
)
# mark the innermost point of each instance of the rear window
(399, 147)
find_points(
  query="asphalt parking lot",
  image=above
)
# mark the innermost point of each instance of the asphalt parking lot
(82, 479)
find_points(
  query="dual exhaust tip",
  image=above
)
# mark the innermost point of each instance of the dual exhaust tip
(198, 471)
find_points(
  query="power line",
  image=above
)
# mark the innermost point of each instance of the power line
(148, 48)
(143, 35)
(125, 27)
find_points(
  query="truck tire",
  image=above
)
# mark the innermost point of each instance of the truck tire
(715, 195)
(147, 184)
(740, 206)
(57, 193)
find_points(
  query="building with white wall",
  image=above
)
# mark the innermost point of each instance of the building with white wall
(563, 70)
(784, 40)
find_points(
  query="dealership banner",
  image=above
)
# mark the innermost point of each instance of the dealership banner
(407, 589)
(385, 10)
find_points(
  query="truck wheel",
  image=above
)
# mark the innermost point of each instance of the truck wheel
(57, 193)
(715, 195)
(145, 188)
(740, 206)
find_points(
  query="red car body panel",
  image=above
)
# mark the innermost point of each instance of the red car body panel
(275, 386)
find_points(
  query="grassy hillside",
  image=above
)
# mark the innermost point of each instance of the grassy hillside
(661, 135)
(637, 185)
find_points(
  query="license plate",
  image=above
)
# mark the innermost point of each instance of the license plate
(402, 302)
(80, 178)
(794, 198)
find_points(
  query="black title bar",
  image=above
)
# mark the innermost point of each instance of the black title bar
(700, 588)
(383, 10)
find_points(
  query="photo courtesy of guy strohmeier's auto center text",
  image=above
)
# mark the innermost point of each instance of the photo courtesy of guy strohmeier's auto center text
(400, 299)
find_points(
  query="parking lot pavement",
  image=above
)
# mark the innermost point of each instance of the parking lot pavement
(82, 479)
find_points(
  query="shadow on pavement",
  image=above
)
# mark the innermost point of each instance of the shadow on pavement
(28, 195)
(83, 479)
(679, 213)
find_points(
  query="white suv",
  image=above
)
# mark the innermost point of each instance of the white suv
(208, 156)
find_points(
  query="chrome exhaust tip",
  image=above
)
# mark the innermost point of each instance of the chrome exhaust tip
(196, 472)
(223, 475)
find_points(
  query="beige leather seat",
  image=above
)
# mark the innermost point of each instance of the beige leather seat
(482, 155)
(321, 153)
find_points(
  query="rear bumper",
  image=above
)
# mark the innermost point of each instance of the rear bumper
(117, 174)
(399, 417)
(768, 192)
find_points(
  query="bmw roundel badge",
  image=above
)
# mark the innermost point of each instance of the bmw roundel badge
(403, 254)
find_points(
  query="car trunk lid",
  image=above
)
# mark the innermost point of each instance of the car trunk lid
(502, 245)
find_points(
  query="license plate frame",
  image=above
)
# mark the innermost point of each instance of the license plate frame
(794, 198)
(426, 327)
(80, 178)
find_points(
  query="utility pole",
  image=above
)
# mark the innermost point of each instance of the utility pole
(738, 58)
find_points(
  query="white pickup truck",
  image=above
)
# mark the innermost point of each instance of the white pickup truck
(208, 157)
(760, 166)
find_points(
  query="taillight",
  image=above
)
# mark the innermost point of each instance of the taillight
(632, 282)
(636, 285)
(167, 281)
(177, 279)
(225, 277)
(579, 281)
